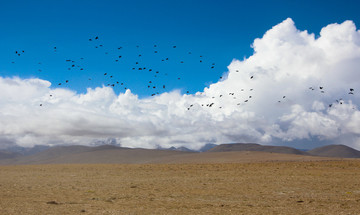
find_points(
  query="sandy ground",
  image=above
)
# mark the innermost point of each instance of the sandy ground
(311, 187)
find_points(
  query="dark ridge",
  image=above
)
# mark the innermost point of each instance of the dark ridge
(207, 147)
(8, 155)
(27, 150)
(256, 147)
(105, 147)
(181, 149)
(335, 151)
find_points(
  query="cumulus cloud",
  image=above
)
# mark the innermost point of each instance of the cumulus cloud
(295, 86)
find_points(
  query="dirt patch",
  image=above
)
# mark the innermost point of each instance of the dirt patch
(311, 187)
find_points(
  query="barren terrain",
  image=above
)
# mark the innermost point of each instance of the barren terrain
(272, 187)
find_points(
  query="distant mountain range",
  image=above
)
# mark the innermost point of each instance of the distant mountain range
(27, 151)
(114, 154)
(256, 147)
(340, 151)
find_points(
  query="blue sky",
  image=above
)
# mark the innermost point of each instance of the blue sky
(217, 30)
(271, 72)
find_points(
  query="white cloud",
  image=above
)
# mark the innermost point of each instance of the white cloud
(273, 95)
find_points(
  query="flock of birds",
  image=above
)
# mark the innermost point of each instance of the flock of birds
(138, 66)
(116, 55)
(112, 81)
(247, 99)
(338, 101)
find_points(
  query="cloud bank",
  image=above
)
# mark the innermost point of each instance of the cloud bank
(295, 87)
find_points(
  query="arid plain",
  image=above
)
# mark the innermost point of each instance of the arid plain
(280, 185)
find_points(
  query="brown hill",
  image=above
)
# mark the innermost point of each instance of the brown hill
(335, 151)
(256, 147)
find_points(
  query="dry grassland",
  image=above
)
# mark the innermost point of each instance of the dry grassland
(321, 187)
